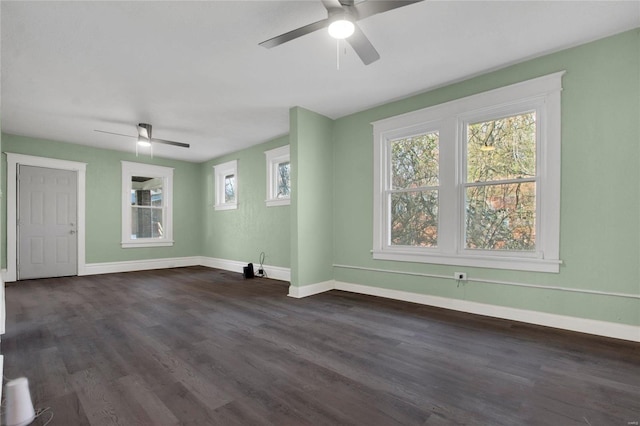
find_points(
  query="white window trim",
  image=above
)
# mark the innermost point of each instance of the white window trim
(219, 172)
(130, 169)
(542, 94)
(275, 157)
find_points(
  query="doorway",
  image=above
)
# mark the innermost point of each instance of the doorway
(14, 163)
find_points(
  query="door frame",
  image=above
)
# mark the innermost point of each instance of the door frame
(13, 160)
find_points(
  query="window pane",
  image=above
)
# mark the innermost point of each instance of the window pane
(501, 217)
(146, 191)
(229, 188)
(414, 161)
(146, 197)
(414, 218)
(284, 180)
(502, 149)
(146, 223)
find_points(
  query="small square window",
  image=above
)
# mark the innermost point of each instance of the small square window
(226, 185)
(278, 177)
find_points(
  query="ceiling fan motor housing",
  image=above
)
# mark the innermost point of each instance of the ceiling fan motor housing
(144, 130)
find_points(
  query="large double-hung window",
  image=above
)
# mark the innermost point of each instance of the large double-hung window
(472, 182)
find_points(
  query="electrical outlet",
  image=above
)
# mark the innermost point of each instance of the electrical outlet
(460, 276)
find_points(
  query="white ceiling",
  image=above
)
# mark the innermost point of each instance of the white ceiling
(195, 71)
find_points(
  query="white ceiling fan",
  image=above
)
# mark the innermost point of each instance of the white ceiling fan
(144, 137)
(342, 24)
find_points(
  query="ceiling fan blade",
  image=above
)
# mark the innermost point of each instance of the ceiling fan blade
(166, 142)
(291, 35)
(371, 7)
(363, 46)
(111, 133)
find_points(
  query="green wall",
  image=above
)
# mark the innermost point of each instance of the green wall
(252, 228)
(312, 197)
(600, 234)
(103, 199)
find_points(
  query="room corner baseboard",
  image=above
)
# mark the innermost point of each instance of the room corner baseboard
(138, 265)
(273, 272)
(311, 289)
(227, 265)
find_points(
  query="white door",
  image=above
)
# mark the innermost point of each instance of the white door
(47, 219)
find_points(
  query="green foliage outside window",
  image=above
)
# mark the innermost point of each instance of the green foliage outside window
(229, 189)
(414, 197)
(501, 215)
(284, 180)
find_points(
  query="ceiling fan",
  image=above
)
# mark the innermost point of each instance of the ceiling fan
(144, 137)
(341, 23)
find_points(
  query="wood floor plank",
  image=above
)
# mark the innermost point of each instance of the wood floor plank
(199, 346)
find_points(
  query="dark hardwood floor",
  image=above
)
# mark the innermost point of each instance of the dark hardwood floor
(199, 346)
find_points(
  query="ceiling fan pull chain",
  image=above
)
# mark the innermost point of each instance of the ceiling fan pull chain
(338, 54)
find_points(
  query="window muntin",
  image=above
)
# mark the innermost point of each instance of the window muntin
(524, 198)
(146, 205)
(278, 176)
(226, 185)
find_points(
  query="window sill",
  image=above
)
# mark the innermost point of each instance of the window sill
(226, 207)
(278, 202)
(136, 244)
(494, 262)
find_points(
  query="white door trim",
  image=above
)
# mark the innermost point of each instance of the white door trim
(28, 160)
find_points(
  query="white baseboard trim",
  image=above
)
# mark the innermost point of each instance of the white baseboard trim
(273, 272)
(582, 325)
(139, 265)
(227, 265)
(311, 289)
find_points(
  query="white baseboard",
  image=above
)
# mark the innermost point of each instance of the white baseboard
(582, 325)
(311, 289)
(273, 272)
(227, 265)
(139, 265)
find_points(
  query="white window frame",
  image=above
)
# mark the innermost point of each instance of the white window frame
(130, 169)
(450, 119)
(220, 171)
(274, 158)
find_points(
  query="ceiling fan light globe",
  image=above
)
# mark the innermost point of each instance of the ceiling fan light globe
(144, 142)
(341, 29)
